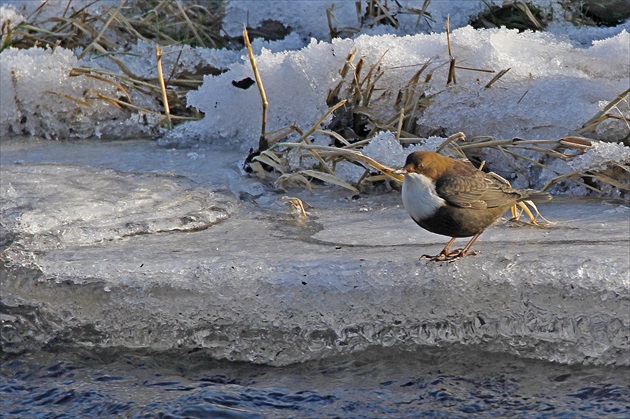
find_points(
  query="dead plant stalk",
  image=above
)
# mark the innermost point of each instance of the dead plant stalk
(160, 72)
(262, 142)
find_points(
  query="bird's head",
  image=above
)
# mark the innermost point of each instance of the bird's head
(427, 163)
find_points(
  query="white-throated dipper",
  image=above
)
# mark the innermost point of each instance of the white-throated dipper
(453, 198)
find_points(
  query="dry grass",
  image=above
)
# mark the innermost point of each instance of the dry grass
(372, 13)
(109, 31)
(604, 114)
(596, 12)
(282, 160)
(165, 22)
(519, 15)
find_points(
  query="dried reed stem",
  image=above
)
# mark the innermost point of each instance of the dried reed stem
(263, 144)
(452, 78)
(497, 77)
(100, 34)
(592, 123)
(160, 72)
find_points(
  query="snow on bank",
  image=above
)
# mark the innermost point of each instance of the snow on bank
(42, 97)
(552, 87)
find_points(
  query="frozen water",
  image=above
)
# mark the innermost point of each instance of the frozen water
(266, 287)
(64, 209)
(595, 157)
(98, 252)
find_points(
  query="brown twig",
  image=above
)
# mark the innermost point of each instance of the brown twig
(160, 72)
(263, 144)
(452, 78)
(497, 77)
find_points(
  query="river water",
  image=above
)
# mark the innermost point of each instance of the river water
(451, 382)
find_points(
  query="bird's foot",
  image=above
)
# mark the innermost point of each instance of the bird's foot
(449, 256)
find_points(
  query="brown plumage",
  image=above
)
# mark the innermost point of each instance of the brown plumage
(453, 198)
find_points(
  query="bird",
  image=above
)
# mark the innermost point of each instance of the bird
(453, 198)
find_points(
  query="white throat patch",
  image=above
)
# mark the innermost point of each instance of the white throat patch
(419, 196)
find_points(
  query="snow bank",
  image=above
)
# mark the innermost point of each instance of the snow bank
(41, 96)
(552, 87)
(309, 18)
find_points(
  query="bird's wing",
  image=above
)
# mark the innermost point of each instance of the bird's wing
(475, 190)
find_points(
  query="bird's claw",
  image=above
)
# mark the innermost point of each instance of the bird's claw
(448, 256)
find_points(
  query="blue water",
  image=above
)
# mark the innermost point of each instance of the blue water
(454, 382)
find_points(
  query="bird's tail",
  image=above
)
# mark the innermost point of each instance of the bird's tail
(534, 195)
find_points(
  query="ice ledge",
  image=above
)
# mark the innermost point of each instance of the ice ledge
(263, 288)
(59, 206)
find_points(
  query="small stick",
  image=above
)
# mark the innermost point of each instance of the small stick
(455, 137)
(452, 78)
(74, 99)
(109, 21)
(482, 70)
(329, 16)
(167, 109)
(497, 77)
(400, 124)
(592, 123)
(320, 120)
(386, 12)
(423, 11)
(578, 143)
(351, 155)
(263, 144)
(121, 103)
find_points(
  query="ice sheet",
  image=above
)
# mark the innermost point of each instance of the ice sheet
(98, 252)
(77, 206)
(266, 287)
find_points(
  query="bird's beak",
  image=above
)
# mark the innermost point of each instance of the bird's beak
(399, 175)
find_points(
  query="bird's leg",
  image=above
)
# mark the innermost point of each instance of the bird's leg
(463, 252)
(445, 254)
(450, 255)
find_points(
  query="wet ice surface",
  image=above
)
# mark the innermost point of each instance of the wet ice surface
(220, 263)
(60, 203)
